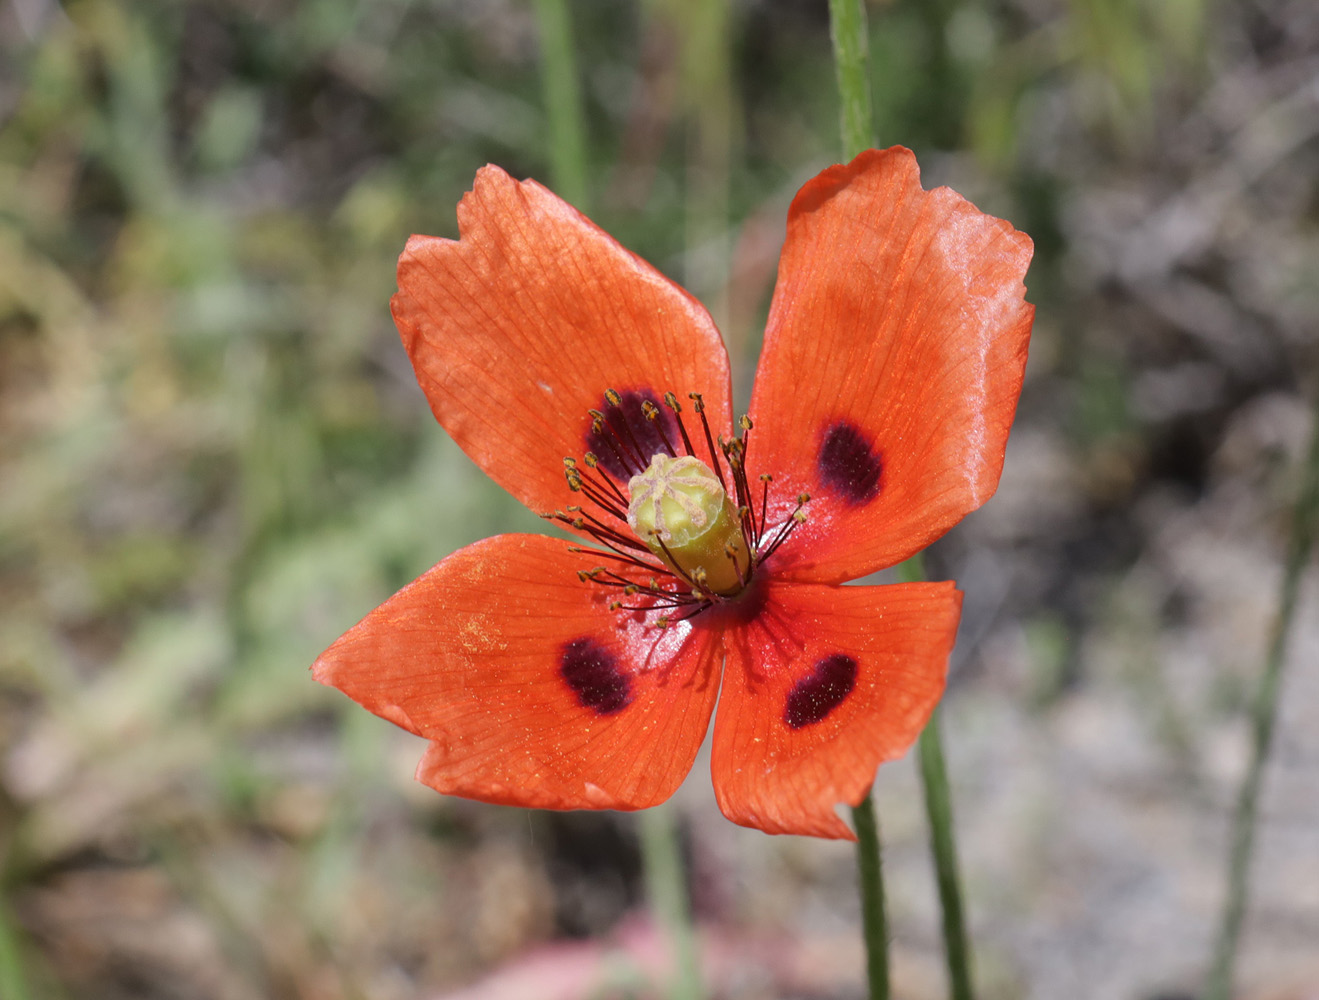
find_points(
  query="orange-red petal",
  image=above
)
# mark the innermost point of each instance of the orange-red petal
(531, 692)
(891, 367)
(821, 685)
(517, 328)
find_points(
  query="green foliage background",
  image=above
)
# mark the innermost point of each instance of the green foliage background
(215, 457)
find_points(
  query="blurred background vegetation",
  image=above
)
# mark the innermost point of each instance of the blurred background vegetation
(214, 458)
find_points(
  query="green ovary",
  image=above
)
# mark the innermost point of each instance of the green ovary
(680, 502)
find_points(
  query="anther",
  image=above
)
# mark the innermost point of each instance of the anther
(744, 422)
(591, 459)
(730, 553)
(613, 398)
(698, 404)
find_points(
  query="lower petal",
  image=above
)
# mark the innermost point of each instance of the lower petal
(822, 684)
(530, 690)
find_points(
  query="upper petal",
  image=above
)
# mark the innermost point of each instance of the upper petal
(517, 328)
(531, 692)
(891, 367)
(821, 685)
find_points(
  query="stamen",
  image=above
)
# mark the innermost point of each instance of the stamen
(593, 493)
(787, 527)
(671, 401)
(765, 479)
(615, 401)
(698, 404)
(592, 461)
(615, 555)
(632, 463)
(730, 550)
(749, 532)
(733, 453)
(677, 570)
(651, 413)
(700, 588)
(602, 531)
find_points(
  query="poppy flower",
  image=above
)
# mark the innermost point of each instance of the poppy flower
(711, 554)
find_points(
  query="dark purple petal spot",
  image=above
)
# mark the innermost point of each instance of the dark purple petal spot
(825, 688)
(848, 464)
(629, 437)
(592, 673)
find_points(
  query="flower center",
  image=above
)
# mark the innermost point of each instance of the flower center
(678, 533)
(680, 510)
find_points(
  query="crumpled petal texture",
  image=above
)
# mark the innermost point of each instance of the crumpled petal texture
(517, 328)
(471, 656)
(786, 750)
(899, 327)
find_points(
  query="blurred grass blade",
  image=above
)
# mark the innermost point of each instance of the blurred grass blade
(13, 977)
(666, 883)
(1264, 714)
(563, 103)
(874, 915)
(847, 20)
(939, 810)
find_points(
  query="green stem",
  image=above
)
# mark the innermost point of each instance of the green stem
(563, 102)
(1264, 713)
(667, 885)
(874, 922)
(939, 810)
(847, 19)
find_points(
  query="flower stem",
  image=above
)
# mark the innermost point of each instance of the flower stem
(667, 887)
(1264, 713)
(939, 810)
(847, 20)
(563, 102)
(874, 922)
